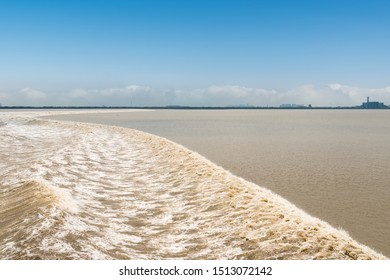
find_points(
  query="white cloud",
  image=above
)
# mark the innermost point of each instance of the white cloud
(335, 86)
(329, 95)
(348, 90)
(334, 94)
(136, 88)
(78, 93)
(227, 95)
(116, 96)
(33, 94)
(385, 90)
(358, 95)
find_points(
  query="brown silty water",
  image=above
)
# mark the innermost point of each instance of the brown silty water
(335, 164)
(78, 191)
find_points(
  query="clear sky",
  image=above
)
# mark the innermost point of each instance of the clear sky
(214, 52)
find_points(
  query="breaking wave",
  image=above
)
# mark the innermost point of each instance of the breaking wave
(78, 191)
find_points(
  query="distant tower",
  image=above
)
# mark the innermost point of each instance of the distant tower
(368, 100)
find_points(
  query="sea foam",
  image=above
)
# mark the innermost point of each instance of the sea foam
(85, 191)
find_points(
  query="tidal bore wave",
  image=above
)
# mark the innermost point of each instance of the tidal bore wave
(78, 191)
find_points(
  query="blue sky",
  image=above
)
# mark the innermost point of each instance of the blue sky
(212, 52)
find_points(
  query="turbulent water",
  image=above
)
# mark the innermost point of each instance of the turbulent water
(78, 191)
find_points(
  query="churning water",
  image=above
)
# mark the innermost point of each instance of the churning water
(89, 191)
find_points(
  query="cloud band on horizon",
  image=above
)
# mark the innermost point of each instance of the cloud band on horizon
(223, 95)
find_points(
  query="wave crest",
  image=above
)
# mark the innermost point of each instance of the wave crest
(125, 194)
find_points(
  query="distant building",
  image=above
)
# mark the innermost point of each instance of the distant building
(241, 106)
(292, 106)
(373, 104)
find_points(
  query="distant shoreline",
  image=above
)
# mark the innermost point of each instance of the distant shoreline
(190, 108)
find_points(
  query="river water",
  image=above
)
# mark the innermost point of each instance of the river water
(71, 190)
(335, 164)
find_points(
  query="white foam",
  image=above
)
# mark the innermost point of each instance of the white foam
(122, 193)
